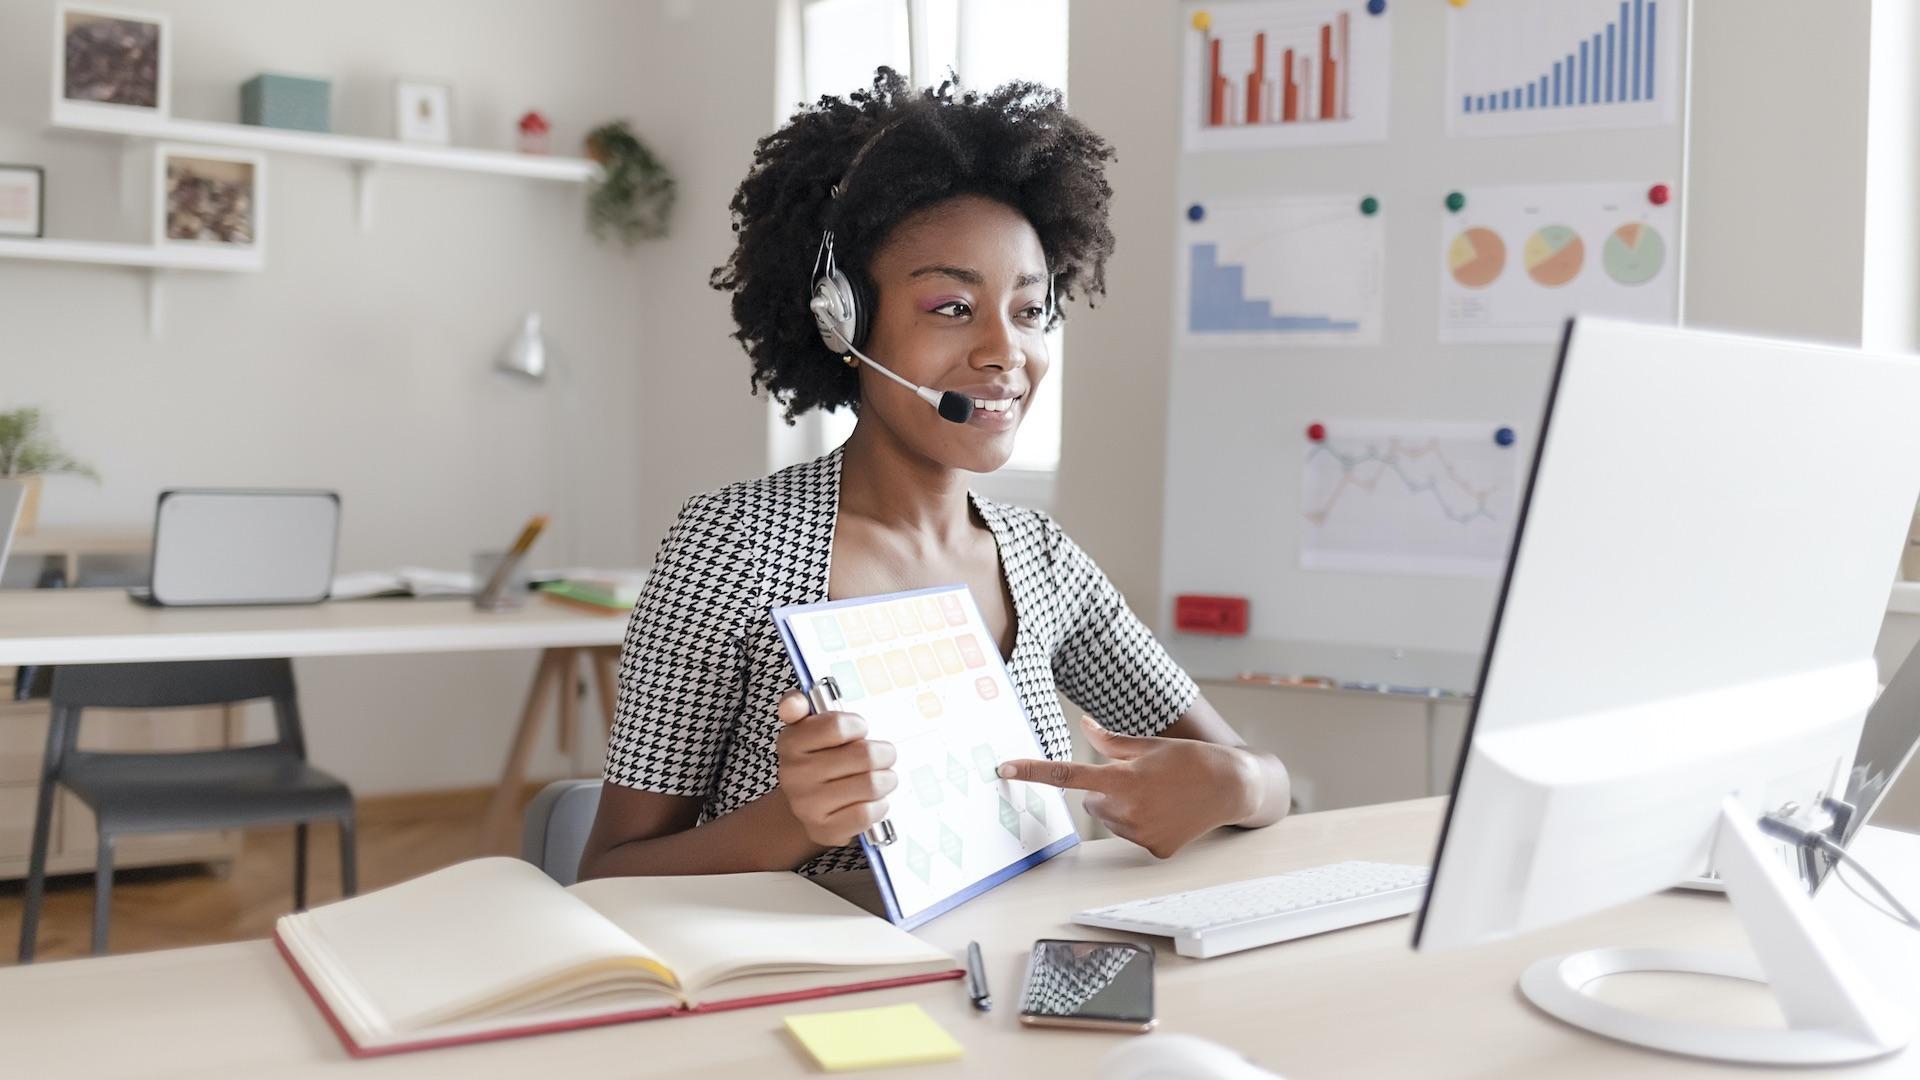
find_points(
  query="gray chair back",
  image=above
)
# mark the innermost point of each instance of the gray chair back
(556, 827)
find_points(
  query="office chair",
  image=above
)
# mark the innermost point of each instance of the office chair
(555, 830)
(229, 788)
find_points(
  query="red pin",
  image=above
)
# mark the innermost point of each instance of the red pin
(1317, 432)
(1659, 194)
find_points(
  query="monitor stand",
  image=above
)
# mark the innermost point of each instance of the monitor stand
(1833, 1013)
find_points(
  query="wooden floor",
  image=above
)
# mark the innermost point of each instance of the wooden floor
(166, 907)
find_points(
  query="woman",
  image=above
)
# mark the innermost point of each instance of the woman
(957, 220)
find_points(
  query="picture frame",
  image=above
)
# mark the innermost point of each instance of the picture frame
(23, 201)
(423, 111)
(111, 62)
(209, 198)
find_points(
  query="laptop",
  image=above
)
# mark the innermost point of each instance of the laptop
(1887, 742)
(242, 546)
(13, 496)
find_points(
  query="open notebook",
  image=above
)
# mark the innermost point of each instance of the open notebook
(493, 948)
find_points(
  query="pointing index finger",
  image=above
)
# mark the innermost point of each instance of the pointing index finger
(1078, 775)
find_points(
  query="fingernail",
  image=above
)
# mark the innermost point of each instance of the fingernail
(1005, 771)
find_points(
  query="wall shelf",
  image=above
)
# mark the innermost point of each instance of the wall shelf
(151, 259)
(362, 152)
(355, 148)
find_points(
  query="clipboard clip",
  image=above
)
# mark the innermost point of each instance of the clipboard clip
(825, 697)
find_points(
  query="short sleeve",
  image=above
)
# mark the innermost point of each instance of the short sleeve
(682, 668)
(1106, 660)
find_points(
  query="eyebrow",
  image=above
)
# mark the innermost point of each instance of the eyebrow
(973, 277)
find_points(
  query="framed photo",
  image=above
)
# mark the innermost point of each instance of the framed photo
(23, 200)
(113, 60)
(209, 198)
(423, 112)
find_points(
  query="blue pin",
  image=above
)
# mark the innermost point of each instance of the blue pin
(1504, 436)
(1196, 212)
(1376, 7)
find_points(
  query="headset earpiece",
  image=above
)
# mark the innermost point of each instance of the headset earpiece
(840, 306)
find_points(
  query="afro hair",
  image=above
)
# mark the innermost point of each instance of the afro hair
(1016, 145)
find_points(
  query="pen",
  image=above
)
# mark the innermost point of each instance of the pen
(825, 697)
(491, 590)
(977, 978)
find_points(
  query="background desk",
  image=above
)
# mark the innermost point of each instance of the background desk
(104, 626)
(1357, 1003)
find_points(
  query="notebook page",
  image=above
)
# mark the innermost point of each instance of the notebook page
(489, 932)
(726, 925)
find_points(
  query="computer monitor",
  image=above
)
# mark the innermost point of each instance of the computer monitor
(1887, 743)
(1684, 644)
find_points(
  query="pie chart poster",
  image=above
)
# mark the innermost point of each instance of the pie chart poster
(1516, 261)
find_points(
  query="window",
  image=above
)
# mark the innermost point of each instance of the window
(987, 42)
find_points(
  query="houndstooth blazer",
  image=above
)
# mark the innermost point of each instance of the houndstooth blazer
(703, 667)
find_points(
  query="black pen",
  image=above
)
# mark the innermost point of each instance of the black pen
(977, 978)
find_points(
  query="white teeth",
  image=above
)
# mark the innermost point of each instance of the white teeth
(995, 405)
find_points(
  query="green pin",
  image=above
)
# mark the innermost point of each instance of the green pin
(1369, 206)
(1456, 201)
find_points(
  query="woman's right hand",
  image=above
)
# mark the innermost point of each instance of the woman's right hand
(836, 779)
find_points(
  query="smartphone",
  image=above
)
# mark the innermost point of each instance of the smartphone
(1107, 985)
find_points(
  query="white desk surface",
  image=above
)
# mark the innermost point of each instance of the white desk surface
(1356, 1003)
(83, 626)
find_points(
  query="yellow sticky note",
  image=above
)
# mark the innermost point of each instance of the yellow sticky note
(871, 1038)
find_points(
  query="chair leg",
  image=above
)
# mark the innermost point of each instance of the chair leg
(349, 863)
(300, 867)
(102, 893)
(36, 872)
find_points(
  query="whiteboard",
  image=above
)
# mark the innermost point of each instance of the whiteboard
(1242, 400)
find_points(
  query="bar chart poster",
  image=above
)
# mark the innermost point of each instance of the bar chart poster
(1266, 73)
(1281, 271)
(1522, 67)
(1408, 497)
(1516, 261)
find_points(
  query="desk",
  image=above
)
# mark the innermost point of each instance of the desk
(1357, 1003)
(105, 626)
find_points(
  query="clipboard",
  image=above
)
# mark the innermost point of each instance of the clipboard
(922, 670)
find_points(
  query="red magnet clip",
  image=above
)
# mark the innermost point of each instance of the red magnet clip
(1317, 432)
(1659, 194)
(1223, 615)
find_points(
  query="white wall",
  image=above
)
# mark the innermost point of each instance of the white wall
(360, 361)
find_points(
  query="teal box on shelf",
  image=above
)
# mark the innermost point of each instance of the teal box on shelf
(285, 101)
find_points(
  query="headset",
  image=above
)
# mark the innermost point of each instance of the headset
(842, 306)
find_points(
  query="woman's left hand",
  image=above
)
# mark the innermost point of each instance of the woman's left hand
(1160, 793)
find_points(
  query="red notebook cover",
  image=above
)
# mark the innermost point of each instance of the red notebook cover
(359, 1051)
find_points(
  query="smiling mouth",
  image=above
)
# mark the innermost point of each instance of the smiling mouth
(996, 405)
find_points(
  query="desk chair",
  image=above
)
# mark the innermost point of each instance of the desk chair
(268, 784)
(555, 829)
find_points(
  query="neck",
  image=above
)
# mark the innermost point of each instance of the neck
(887, 482)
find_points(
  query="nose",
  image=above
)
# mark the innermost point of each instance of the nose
(1000, 347)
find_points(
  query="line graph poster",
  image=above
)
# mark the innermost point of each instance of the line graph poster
(1522, 67)
(1515, 262)
(1303, 271)
(1408, 497)
(1265, 73)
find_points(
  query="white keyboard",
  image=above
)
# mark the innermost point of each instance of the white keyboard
(1261, 911)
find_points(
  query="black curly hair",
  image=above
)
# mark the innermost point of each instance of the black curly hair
(1016, 145)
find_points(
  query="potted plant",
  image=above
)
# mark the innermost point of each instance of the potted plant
(28, 453)
(634, 192)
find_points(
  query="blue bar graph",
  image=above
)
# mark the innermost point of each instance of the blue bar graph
(1614, 64)
(1219, 302)
(1610, 68)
